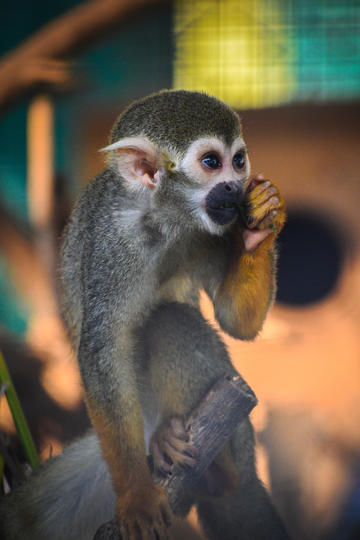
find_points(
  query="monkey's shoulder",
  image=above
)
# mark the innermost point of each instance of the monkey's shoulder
(104, 190)
(106, 207)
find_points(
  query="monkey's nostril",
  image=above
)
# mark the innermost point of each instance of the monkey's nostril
(227, 187)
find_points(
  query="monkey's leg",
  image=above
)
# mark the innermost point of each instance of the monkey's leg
(186, 358)
(247, 513)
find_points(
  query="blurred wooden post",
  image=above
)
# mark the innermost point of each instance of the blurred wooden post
(40, 178)
(44, 326)
(40, 156)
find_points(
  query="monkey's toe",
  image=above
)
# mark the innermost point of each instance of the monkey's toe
(170, 447)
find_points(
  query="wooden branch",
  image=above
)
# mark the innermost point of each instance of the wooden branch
(210, 425)
(40, 59)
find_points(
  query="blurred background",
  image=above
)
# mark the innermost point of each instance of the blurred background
(292, 69)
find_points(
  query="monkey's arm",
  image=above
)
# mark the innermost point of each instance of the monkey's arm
(111, 301)
(247, 285)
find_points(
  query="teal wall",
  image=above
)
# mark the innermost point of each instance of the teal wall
(134, 60)
(326, 39)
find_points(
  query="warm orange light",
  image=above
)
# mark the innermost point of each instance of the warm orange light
(6, 419)
(50, 448)
(46, 335)
(40, 152)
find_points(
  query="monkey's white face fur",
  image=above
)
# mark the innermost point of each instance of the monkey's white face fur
(207, 178)
(193, 167)
(207, 163)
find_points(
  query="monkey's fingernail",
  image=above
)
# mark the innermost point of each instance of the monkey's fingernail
(272, 191)
(274, 200)
(191, 451)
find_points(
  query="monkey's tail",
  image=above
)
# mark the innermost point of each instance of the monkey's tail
(70, 496)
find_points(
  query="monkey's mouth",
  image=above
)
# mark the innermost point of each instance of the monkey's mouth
(223, 203)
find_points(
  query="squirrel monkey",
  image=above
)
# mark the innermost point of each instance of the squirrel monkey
(176, 211)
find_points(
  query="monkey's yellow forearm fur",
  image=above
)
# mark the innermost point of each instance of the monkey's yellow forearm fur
(248, 288)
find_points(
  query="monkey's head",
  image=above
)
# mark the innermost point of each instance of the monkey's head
(186, 151)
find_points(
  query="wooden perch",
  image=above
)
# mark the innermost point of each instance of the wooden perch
(210, 425)
(40, 59)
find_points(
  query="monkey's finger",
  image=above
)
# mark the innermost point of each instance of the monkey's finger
(179, 458)
(182, 446)
(166, 514)
(257, 184)
(151, 533)
(147, 526)
(261, 194)
(159, 534)
(163, 522)
(260, 214)
(145, 532)
(124, 531)
(270, 220)
(160, 462)
(255, 180)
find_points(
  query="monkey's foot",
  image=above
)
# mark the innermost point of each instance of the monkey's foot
(147, 517)
(170, 447)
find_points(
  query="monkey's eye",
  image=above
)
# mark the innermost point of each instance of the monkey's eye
(211, 161)
(238, 161)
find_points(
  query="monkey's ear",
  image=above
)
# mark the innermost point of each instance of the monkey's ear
(137, 161)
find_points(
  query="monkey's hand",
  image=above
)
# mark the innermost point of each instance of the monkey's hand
(146, 517)
(264, 212)
(170, 447)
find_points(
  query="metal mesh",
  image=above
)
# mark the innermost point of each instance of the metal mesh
(257, 53)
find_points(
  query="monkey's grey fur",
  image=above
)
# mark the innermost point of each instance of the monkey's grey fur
(174, 109)
(67, 498)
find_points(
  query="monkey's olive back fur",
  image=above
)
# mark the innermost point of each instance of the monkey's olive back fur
(162, 117)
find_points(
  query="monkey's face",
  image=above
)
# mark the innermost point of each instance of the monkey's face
(218, 174)
(186, 149)
(201, 188)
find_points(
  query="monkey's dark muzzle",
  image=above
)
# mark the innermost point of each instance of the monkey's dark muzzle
(223, 202)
